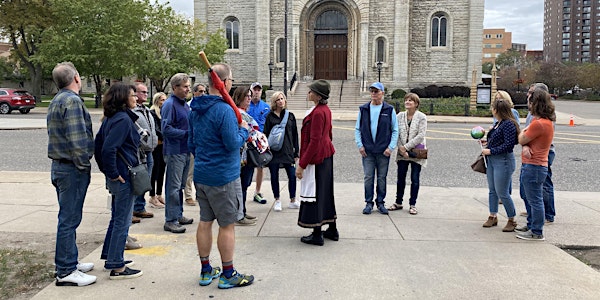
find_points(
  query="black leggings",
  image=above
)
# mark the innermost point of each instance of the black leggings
(158, 171)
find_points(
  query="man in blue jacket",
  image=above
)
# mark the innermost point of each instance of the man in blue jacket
(215, 139)
(376, 136)
(174, 124)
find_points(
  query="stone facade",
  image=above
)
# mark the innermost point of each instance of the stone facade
(405, 26)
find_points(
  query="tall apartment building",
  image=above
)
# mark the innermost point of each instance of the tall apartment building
(495, 42)
(572, 30)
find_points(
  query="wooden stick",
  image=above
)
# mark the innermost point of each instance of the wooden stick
(204, 59)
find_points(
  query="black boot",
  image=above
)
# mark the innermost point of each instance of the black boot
(315, 238)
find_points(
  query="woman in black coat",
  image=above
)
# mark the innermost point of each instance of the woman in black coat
(287, 156)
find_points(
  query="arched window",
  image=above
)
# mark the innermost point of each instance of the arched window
(281, 50)
(380, 50)
(439, 27)
(232, 32)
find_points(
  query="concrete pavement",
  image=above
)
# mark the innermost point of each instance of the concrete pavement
(441, 253)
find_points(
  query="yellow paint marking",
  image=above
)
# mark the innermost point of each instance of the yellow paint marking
(151, 251)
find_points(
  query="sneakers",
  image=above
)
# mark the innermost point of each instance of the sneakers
(132, 244)
(76, 278)
(143, 214)
(382, 210)
(277, 206)
(185, 221)
(85, 267)
(245, 222)
(522, 228)
(236, 280)
(125, 274)
(207, 277)
(294, 205)
(530, 236)
(190, 202)
(174, 227)
(258, 197)
(491, 221)
(154, 203)
(249, 217)
(128, 263)
(368, 209)
(313, 240)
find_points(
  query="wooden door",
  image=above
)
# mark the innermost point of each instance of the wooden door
(331, 56)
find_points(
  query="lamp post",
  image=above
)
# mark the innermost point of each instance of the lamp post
(519, 78)
(379, 66)
(271, 67)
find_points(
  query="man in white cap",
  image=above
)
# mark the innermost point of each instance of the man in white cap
(376, 136)
(258, 110)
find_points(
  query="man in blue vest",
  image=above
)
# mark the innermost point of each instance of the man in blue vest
(376, 135)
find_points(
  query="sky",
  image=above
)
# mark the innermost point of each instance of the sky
(524, 18)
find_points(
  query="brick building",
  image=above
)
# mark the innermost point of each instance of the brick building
(495, 42)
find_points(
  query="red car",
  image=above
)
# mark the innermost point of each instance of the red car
(11, 99)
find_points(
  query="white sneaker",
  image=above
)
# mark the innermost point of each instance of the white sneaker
(85, 267)
(277, 206)
(76, 278)
(294, 205)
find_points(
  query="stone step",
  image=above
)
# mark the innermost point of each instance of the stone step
(351, 96)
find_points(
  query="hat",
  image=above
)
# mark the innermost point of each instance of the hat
(321, 87)
(256, 84)
(378, 85)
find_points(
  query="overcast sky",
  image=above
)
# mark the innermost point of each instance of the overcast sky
(524, 18)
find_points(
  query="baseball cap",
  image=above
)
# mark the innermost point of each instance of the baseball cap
(256, 84)
(378, 85)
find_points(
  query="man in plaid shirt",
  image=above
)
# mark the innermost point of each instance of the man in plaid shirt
(70, 146)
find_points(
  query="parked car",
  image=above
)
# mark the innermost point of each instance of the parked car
(14, 99)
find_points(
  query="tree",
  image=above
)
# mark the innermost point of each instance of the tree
(23, 22)
(171, 44)
(101, 38)
(510, 58)
(486, 68)
(557, 75)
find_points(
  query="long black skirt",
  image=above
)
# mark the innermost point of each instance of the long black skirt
(322, 211)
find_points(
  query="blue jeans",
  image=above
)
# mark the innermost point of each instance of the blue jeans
(71, 187)
(549, 210)
(371, 164)
(140, 201)
(499, 176)
(246, 174)
(118, 227)
(177, 171)
(290, 170)
(532, 181)
(415, 173)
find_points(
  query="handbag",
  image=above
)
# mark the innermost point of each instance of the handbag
(479, 164)
(139, 177)
(419, 152)
(278, 133)
(257, 159)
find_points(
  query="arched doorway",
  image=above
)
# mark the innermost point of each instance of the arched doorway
(331, 45)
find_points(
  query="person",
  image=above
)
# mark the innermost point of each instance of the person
(158, 169)
(147, 129)
(215, 138)
(287, 156)
(549, 208)
(174, 125)
(536, 140)
(376, 136)
(258, 110)
(117, 146)
(412, 125)
(315, 168)
(504, 95)
(501, 140)
(70, 147)
(241, 98)
(198, 90)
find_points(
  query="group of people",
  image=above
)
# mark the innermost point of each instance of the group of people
(536, 187)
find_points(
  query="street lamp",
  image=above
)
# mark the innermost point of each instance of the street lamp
(379, 65)
(519, 78)
(271, 67)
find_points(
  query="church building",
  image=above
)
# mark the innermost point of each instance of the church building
(406, 43)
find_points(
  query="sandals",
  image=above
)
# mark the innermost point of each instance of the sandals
(395, 206)
(412, 210)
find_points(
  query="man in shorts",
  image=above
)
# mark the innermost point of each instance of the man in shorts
(215, 139)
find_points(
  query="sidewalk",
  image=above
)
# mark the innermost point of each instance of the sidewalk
(441, 253)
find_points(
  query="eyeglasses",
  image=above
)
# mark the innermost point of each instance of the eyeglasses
(374, 91)
(143, 92)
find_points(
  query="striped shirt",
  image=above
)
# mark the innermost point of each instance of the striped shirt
(70, 136)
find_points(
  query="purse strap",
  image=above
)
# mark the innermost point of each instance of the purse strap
(124, 160)
(285, 118)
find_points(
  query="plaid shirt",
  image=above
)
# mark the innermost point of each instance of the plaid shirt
(69, 126)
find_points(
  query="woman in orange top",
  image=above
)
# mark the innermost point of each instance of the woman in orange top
(536, 140)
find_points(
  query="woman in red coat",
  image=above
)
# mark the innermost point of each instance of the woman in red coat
(315, 168)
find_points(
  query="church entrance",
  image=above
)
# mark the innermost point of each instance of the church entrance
(331, 46)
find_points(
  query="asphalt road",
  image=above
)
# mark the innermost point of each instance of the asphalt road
(451, 151)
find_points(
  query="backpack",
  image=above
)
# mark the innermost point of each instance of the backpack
(278, 133)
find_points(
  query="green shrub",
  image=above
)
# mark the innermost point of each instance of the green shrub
(398, 94)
